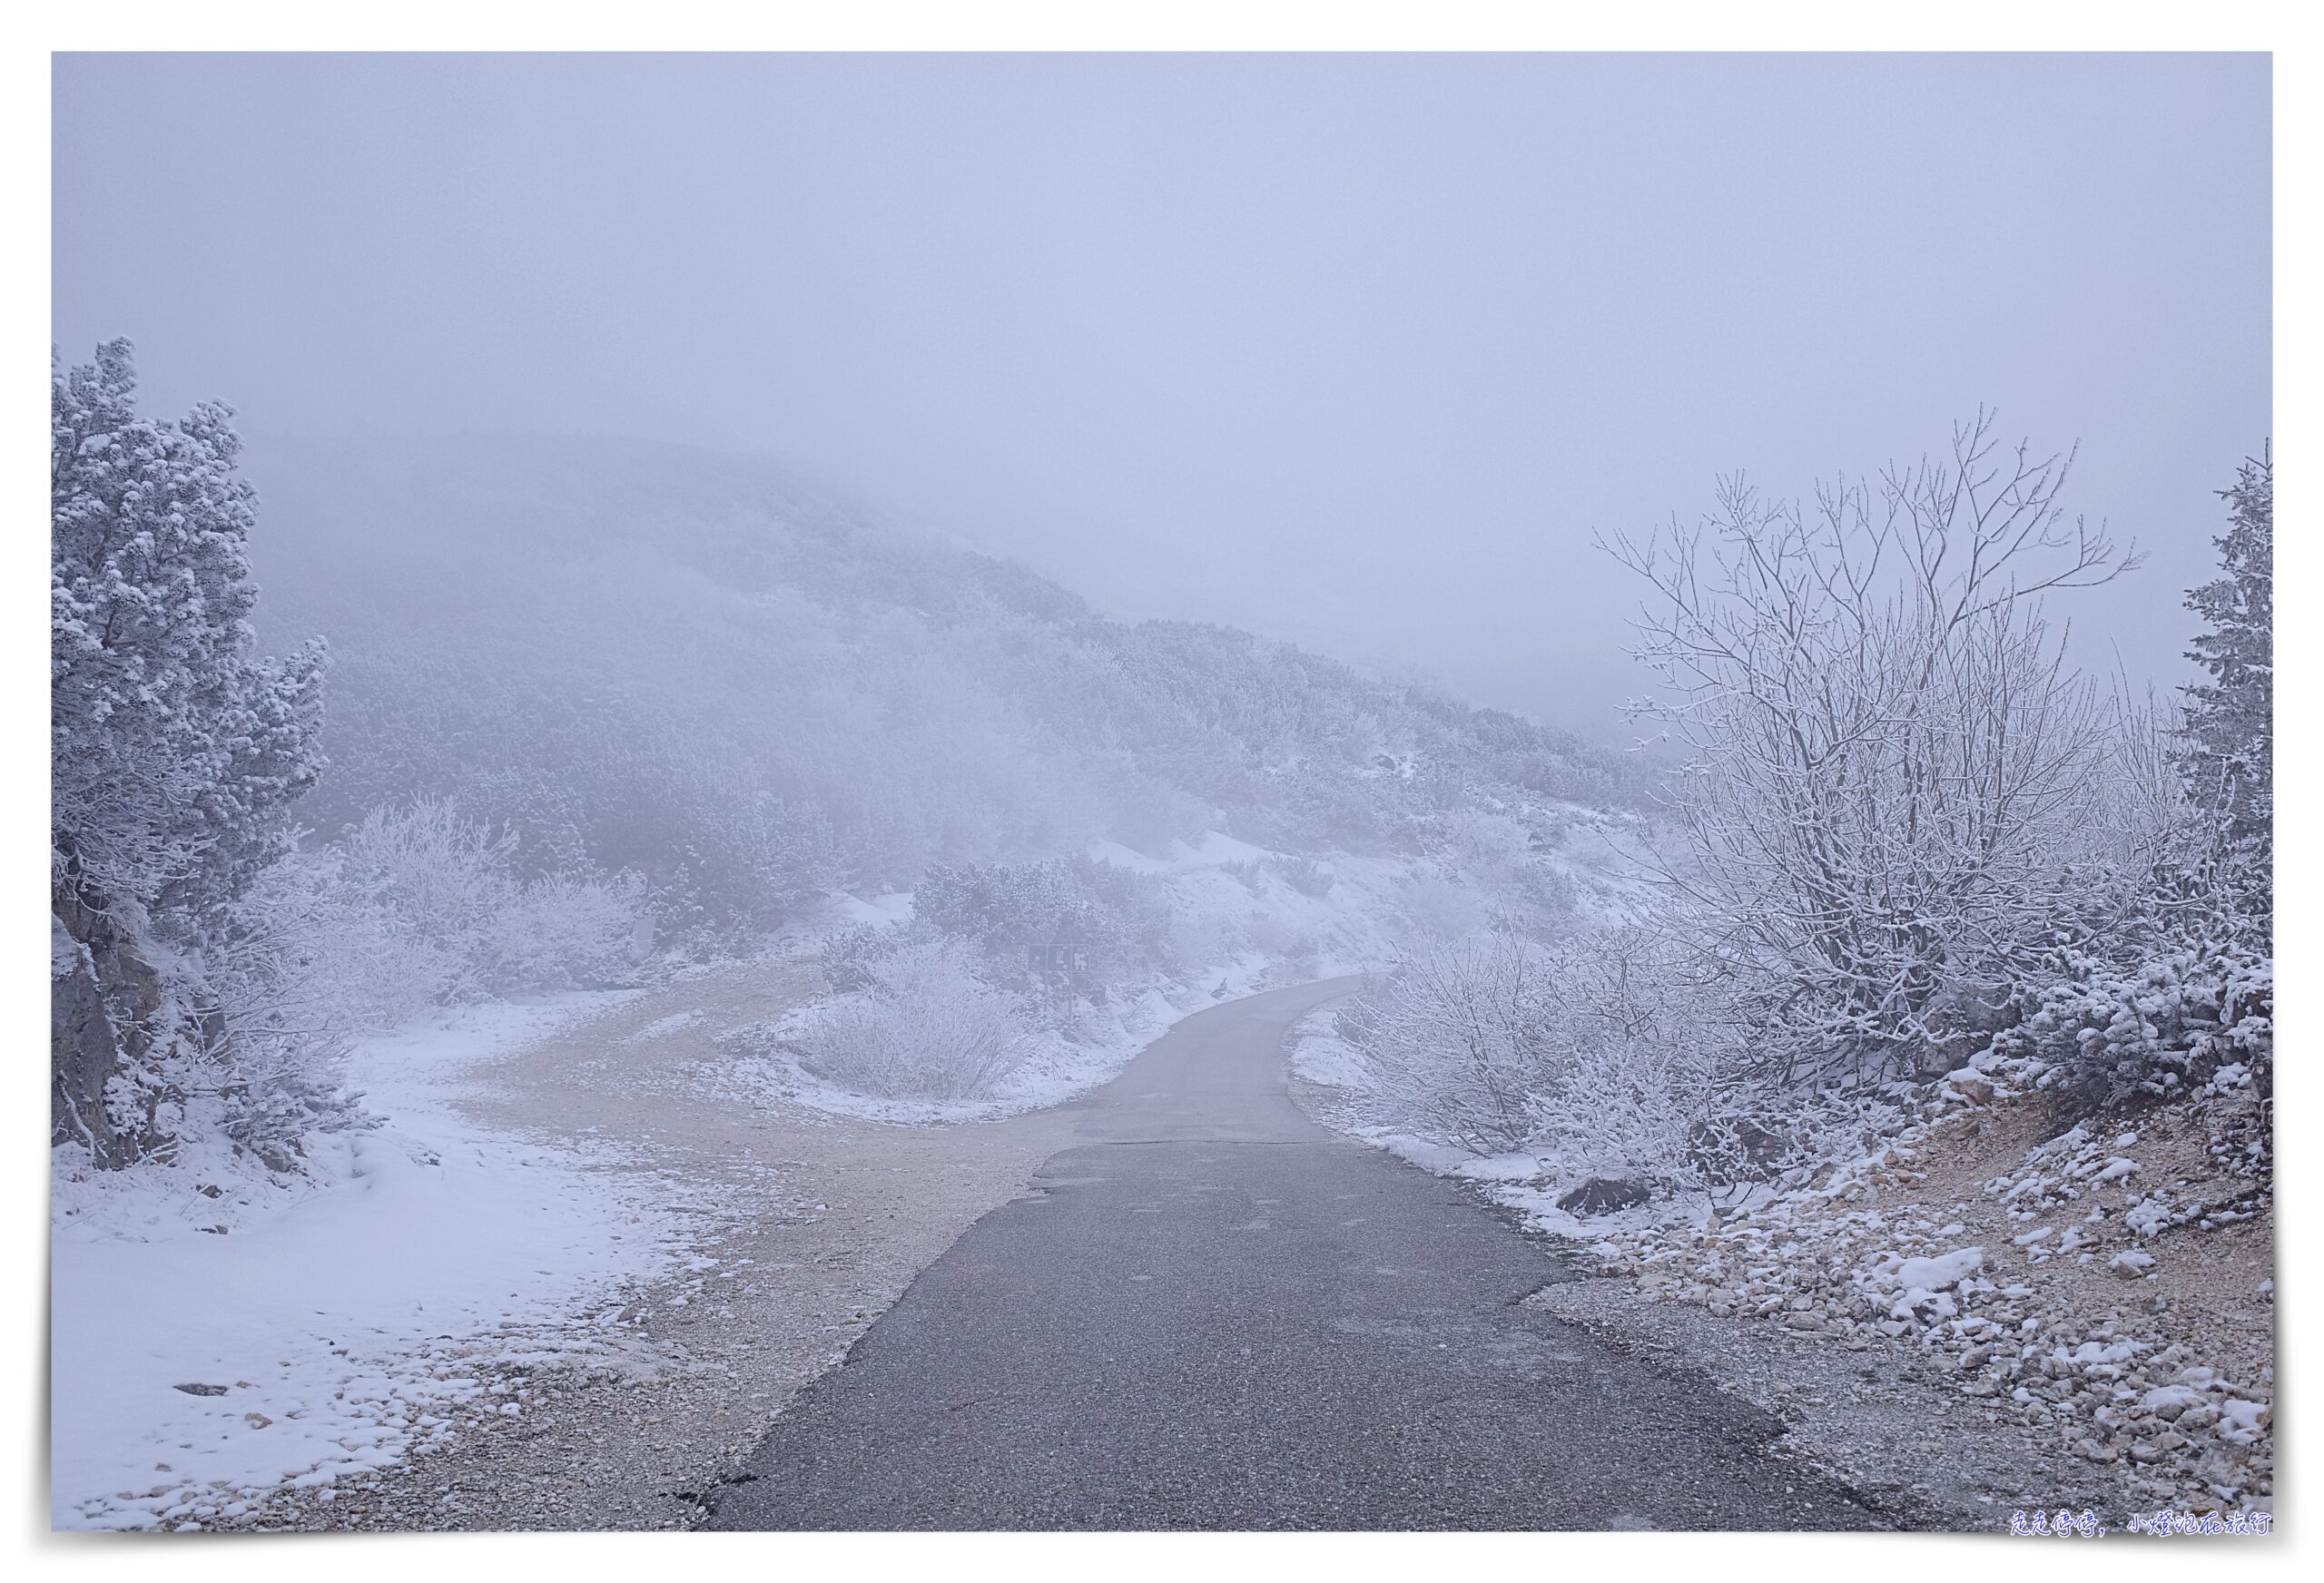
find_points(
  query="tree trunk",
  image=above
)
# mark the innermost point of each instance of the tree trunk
(104, 997)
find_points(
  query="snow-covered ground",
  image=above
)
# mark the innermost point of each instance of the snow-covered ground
(217, 1334)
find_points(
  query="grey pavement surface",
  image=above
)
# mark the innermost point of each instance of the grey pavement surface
(1216, 1314)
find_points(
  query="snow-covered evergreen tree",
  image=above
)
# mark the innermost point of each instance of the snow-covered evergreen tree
(175, 749)
(2231, 719)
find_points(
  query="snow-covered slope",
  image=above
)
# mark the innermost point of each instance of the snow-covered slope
(696, 667)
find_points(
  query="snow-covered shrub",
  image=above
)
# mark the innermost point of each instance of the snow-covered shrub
(571, 931)
(730, 856)
(2157, 1022)
(925, 1026)
(1303, 874)
(420, 906)
(444, 888)
(1596, 1050)
(848, 957)
(1436, 905)
(286, 1085)
(423, 893)
(289, 995)
(1117, 921)
(1645, 1082)
(1455, 1041)
(2162, 971)
(1281, 939)
(1502, 859)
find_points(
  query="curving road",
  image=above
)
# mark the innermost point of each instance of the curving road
(1215, 1314)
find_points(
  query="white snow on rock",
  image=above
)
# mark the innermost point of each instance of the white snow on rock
(2240, 1422)
(1941, 1273)
(2171, 1400)
(328, 1328)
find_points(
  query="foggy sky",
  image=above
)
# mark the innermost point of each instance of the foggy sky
(1354, 350)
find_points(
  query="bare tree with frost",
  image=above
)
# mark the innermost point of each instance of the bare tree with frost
(1883, 746)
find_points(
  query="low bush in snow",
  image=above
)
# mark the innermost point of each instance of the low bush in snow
(421, 906)
(2104, 1029)
(1455, 1041)
(1305, 875)
(1596, 1052)
(922, 1026)
(849, 958)
(2163, 970)
(1119, 921)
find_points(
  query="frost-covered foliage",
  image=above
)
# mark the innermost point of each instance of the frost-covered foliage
(2106, 1026)
(1498, 858)
(175, 751)
(1915, 833)
(1595, 1050)
(1095, 923)
(175, 746)
(284, 1037)
(923, 1025)
(731, 857)
(1886, 755)
(419, 908)
(688, 665)
(1456, 1041)
(422, 906)
(2163, 972)
(2230, 730)
(1915, 841)
(1067, 938)
(1648, 1084)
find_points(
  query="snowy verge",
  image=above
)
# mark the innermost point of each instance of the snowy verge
(217, 1332)
(763, 1069)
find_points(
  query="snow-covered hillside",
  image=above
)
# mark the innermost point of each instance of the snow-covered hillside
(694, 666)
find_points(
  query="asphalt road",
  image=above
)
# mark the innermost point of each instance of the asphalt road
(1216, 1314)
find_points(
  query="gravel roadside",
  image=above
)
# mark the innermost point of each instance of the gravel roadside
(1912, 1449)
(810, 1227)
(1939, 1425)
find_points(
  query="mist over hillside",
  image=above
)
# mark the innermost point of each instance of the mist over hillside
(996, 972)
(690, 665)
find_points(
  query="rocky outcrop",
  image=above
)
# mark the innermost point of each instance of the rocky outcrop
(1602, 1195)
